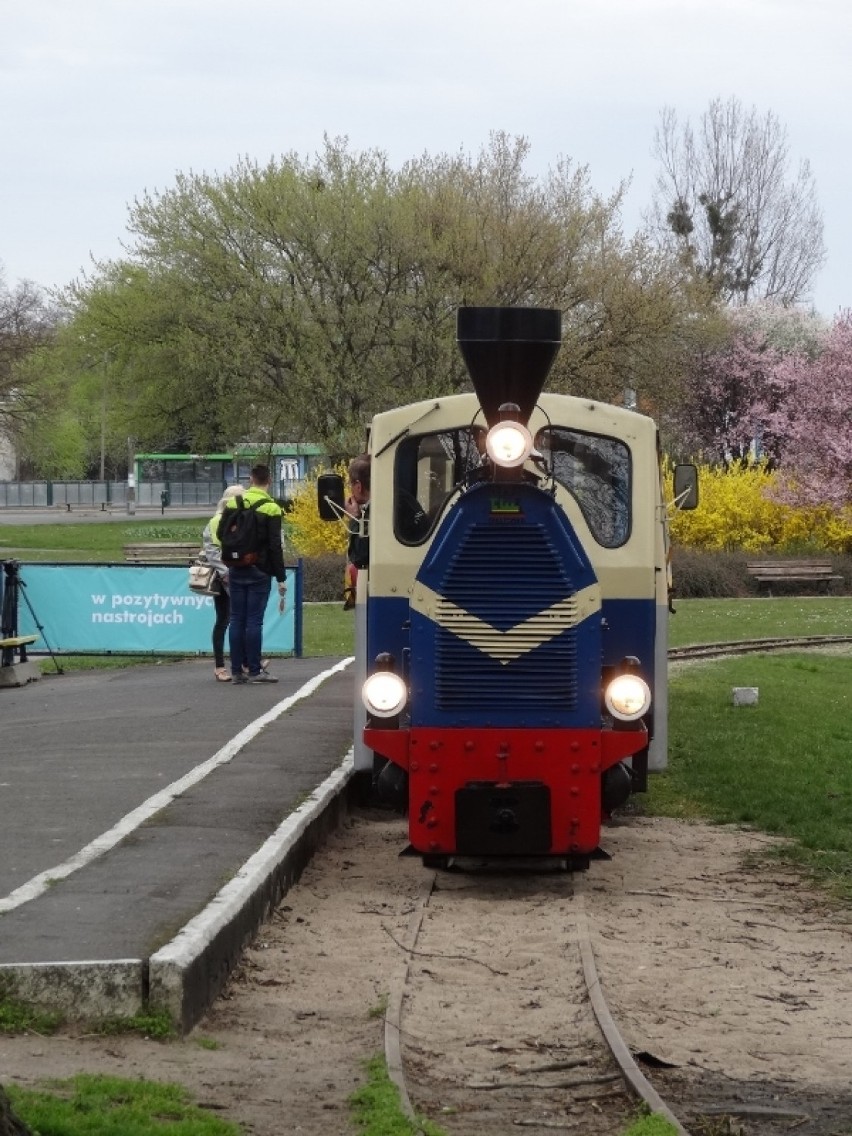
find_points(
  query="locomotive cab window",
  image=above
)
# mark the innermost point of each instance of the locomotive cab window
(428, 468)
(596, 472)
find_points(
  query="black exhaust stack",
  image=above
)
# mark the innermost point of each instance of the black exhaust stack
(508, 352)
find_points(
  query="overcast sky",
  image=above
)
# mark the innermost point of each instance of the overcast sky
(105, 99)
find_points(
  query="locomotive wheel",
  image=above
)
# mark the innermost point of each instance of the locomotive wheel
(392, 786)
(362, 787)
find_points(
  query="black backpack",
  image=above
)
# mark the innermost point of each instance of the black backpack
(240, 535)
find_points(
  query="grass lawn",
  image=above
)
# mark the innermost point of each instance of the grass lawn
(721, 621)
(100, 542)
(88, 1105)
(327, 630)
(781, 766)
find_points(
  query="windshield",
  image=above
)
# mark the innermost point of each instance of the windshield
(593, 468)
(596, 472)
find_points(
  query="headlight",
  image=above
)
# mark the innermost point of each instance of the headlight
(627, 697)
(384, 694)
(508, 444)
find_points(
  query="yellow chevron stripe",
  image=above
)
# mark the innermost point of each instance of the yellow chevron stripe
(504, 646)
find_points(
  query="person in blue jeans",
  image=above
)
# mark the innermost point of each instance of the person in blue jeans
(250, 586)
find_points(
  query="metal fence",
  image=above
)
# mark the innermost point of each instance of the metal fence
(101, 494)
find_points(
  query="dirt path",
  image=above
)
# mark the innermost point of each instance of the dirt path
(736, 977)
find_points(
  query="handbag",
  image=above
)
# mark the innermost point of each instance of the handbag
(204, 578)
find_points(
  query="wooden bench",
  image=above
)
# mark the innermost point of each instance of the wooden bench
(771, 572)
(12, 643)
(162, 552)
(17, 641)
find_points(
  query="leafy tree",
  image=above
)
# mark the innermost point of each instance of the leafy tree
(299, 298)
(81, 426)
(726, 201)
(780, 386)
(132, 330)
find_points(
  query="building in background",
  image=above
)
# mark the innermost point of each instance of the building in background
(163, 480)
(180, 475)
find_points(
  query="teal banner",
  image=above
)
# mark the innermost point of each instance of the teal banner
(95, 609)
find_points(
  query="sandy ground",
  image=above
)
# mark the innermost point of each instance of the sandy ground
(726, 970)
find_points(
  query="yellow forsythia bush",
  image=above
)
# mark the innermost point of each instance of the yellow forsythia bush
(308, 535)
(736, 510)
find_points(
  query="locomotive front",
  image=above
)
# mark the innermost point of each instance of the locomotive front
(510, 638)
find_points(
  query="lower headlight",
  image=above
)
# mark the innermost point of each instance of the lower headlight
(627, 697)
(384, 694)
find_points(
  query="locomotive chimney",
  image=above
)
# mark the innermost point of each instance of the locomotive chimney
(508, 353)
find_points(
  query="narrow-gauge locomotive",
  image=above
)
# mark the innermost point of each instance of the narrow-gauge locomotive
(512, 622)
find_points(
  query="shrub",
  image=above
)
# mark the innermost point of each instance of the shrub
(307, 534)
(738, 510)
(697, 574)
(323, 578)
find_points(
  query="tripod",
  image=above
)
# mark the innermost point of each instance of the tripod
(12, 587)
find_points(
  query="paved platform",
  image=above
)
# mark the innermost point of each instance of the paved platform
(150, 819)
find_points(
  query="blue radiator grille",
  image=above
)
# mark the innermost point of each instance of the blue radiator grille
(505, 574)
(544, 678)
(500, 579)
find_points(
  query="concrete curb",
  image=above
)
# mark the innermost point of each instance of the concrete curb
(187, 974)
(95, 989)
(184, 976)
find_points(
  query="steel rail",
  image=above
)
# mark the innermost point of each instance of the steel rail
(630, 1071)
(632, 1076)
(747, 646)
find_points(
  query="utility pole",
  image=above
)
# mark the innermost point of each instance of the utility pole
(131, 478)
(103, 415)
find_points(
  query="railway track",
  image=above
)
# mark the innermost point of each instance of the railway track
(564, 1066)
(749, 646)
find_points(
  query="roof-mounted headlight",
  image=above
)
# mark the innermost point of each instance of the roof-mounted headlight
(627, 697)
(508, 444)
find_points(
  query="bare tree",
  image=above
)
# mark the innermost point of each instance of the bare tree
(724, 198)
(27, 321)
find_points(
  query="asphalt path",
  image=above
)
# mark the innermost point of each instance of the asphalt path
(128, 797)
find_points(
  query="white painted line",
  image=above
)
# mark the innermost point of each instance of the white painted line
(39, 884)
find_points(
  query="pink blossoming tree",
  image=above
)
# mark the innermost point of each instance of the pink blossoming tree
(810, 413)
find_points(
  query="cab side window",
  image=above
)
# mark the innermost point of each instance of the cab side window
(428, 468)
